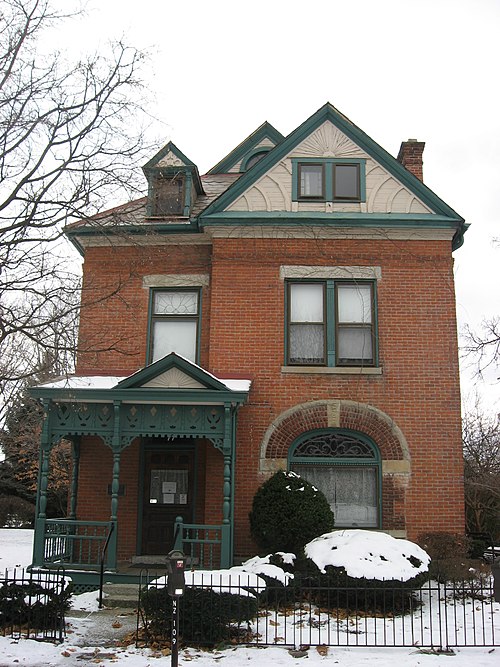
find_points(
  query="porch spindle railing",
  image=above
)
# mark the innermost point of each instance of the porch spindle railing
(205, 546)
(76, 543)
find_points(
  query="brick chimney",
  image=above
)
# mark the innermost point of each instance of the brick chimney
(410, 156)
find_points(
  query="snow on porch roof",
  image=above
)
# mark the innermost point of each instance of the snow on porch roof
(110, 382)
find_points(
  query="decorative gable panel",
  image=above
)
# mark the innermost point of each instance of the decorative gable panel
(170, 160)
(273, 191)
(174, 378)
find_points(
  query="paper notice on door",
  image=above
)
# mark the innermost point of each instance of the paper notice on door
(183, 498)
(168, 498)
(169, 487)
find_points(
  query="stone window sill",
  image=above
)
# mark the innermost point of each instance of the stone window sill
(332, 370)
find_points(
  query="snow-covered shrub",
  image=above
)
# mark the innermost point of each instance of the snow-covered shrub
(365, 569)
(287, 512)
(277, 572)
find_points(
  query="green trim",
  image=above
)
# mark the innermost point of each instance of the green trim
(149, 332)
(141, 395)
(329, 113)
(122, 231)
(264, 131)
(336, 219)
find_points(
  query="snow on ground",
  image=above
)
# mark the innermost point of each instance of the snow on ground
(15, 551)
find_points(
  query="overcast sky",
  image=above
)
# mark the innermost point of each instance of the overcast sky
(399, 69)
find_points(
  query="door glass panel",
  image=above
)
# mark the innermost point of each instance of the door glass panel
(169, 487)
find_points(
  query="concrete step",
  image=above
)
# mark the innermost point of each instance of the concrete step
(123, 596)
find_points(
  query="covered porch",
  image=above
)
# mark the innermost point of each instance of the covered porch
(160, 434)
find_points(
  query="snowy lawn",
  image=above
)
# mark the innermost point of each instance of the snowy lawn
(15, 551)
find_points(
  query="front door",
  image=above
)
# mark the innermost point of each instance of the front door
(168, 493)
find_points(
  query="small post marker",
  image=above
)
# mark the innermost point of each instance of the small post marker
(176, 584)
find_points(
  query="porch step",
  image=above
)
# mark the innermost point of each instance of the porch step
(123, 596)
(150, 561)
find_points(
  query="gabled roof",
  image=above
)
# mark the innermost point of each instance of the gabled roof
(151, 375)
(265, 131)
(329, 113)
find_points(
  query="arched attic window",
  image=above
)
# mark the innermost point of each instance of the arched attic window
(253, 157)
(345, 466)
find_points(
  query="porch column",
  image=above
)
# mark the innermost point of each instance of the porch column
(43, 478)
(115, 486)
(227, 509)
(75, 456)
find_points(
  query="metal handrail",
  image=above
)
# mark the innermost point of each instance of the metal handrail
(103, 558)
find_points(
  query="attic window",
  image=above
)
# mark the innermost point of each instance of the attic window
(254, 159)
(168, 196)
(329, 179)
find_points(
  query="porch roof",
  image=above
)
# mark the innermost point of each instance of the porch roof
(172, 379)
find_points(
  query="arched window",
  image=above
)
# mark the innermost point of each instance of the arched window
(345, 466)
(254, 157)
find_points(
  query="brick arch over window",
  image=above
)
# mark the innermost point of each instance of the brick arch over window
(334, 414)
(360, 417)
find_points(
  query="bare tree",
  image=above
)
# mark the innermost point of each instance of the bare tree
(484, 345)
(481, 443)
(70, 139)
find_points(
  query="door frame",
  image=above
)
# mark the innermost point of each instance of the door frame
(178, 444)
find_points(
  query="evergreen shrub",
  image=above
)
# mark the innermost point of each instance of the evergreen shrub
(287, 513)
(33, 604)
(205, 616)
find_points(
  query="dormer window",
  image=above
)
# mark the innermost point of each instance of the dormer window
(174, 185)
(168, 195)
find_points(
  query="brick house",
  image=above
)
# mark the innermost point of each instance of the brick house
(292, 309)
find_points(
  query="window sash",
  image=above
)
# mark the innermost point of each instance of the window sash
(306, 323)
(311, 181)
(346, 182)
(354, 324)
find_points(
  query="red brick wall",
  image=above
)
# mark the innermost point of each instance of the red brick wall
(243, 334)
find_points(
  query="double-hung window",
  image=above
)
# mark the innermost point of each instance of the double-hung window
(328, 180)
(331, 323)
(174, 323)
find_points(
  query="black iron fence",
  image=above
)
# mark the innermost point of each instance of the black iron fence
(33, 604)
(236, 610)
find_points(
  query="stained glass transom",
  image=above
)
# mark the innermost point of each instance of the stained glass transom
(334, 446)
